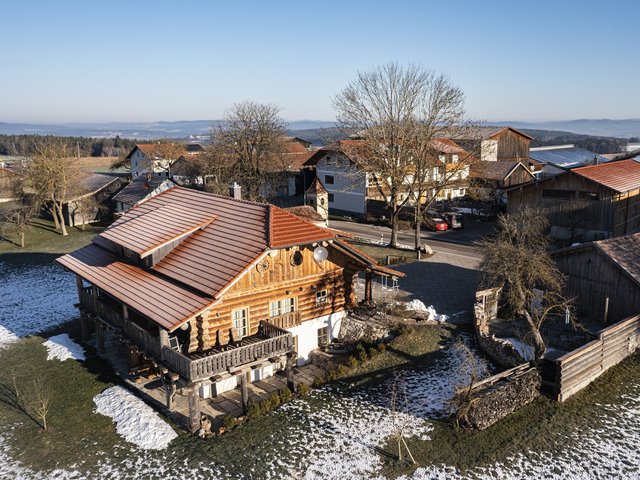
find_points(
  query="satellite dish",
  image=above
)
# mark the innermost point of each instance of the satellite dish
(320, 254)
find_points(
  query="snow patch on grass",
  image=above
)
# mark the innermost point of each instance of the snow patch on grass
(137, 422)
(63, 348)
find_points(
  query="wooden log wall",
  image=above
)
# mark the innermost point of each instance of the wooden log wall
(577, 369)
(282, 279)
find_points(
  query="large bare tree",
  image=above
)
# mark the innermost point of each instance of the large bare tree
(248, 147)
(49, 176)
(398, 112)
(517, 259)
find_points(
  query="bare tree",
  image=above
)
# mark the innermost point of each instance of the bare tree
(41, 401)
(18, 219)
(248, 148)
(398, 112)
(49, 175)
(400, 409)
(517, 259)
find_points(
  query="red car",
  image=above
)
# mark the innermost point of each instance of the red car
(437, 224)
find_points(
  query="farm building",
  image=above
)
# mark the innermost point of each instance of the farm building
(140, 189)
(489, 180)
(89, 200)
(560, 158)
(216, 292)
(604, 277)
(497, 144)
(586, 203)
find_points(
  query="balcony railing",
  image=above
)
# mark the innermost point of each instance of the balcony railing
(271, 341)
(286, 320)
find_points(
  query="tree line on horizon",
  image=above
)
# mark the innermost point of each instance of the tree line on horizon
(27, 145)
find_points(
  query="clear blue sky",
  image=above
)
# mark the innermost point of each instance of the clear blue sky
(148, 60)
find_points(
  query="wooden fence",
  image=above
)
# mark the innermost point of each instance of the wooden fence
(578, 368)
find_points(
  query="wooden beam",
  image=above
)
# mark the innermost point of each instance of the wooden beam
(170, 392)
(85, 327)
(290, 377)
(100, 336)
(194, 408)
(244, 388)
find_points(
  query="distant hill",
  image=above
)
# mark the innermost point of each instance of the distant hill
(603, 128)
(139, 130)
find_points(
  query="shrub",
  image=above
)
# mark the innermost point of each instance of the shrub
(341, 371)
(229, 422)
(332, 374)
(361, 353)
(253, 409)
(285, 395)
(319, 381)
(303, 389)
(351, 363)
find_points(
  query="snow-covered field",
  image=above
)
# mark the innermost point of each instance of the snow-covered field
(33, 299)
(332, 433)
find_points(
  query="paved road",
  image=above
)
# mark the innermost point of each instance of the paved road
(376, 232)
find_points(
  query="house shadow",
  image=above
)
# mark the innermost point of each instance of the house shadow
(449, 288)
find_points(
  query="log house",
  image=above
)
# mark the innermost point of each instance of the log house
(214, 291)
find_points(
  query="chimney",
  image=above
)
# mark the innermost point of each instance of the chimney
(235, 191)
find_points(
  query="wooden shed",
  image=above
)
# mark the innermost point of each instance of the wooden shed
(586, 203)
(604, 277)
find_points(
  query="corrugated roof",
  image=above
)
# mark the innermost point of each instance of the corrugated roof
(624, 251)
(210, 259)
(620, 176)
(159, 299)
(567, 157)
(139, 188)
(148, 231)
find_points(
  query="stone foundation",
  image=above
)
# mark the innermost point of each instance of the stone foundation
(354, 330)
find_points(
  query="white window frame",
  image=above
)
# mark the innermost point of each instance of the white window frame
(321, 297)
(240, 321)
(282, 306)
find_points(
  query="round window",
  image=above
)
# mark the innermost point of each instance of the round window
(297, 258)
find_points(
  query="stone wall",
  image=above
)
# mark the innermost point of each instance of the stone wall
(485, 309)
(494, 398)
(354, 330)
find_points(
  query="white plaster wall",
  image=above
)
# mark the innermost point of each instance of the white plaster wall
(307, 333)
(350, 183)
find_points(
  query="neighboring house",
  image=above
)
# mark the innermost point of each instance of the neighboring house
(140, 189)
(491, 179)
(604, 277)
(155, 158)
(216, 291)
(292, 176)
(497, 144)
(586, 203)
(89, 201)
(351, 186)
(560, 158)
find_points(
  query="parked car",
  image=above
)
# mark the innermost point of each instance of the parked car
(436, 224)
(454, 220)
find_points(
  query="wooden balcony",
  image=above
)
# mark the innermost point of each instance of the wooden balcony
(286, 320)
(270, 341)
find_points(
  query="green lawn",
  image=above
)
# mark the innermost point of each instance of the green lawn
(41, 237)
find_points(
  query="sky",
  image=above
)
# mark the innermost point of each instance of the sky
(150, 60)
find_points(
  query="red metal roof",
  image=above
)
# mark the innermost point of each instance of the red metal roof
(620, 176)
(285, 230)
(150, 230)
(151, 295)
